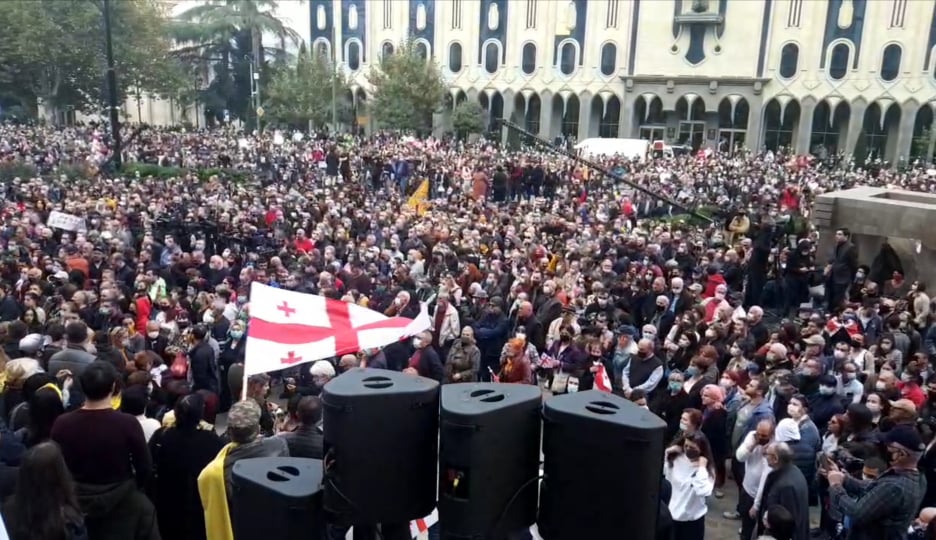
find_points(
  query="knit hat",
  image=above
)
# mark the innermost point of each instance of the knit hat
(244, 415)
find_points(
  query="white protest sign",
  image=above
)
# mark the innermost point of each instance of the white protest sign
(68, 222)
(278, 138)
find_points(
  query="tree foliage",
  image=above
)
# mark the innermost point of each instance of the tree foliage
(468, 118)
(223, 37)
(302, 95)
(53, 51)
(408, 89)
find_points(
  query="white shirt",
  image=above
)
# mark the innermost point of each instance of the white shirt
(755, 465)
(691, 485)
(149, 425)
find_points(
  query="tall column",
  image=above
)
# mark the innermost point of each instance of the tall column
(855, 124)
(584, 125)
(546, 115)
(904, 134)
(626, 120)
(804, 128)
(508, 115)
(752, 139)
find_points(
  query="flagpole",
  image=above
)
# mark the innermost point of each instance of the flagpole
(244, 387)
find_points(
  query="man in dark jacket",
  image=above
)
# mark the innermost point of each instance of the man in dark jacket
(74, 357)
(204, 364)
(307, 441)
(826, 404)
(882, 509)
(785, 485)
(425, 360)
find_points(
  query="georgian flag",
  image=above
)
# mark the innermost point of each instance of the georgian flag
(287, 328)
(602, 381)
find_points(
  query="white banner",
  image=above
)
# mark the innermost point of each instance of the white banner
(68, 222)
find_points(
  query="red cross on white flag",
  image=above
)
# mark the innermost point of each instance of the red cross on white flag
(287, 328)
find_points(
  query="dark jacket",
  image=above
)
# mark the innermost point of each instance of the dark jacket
(204, 368)
(464, 360)
(428, 364)
(805, 450)
(117, 512)
(305, 442)
(823, 408)
(787, 487)
(881, 509)
(844, 264)
(73, 358)
(178, 458)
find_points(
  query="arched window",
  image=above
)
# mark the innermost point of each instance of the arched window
(422, 50)
(455, 57)
(838, 61)
(789, 58)
(322, 49)
(528, 62)
(567, 58)
(608, 58)
(386, 50)
(491, 57)
(354, 55)
(890, 62)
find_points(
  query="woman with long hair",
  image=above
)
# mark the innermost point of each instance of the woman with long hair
(715, 428)
(691, 471)
(44, 506)
(45, 405)
(179, 454)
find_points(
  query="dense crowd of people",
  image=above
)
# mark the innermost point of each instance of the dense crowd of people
(805, 378)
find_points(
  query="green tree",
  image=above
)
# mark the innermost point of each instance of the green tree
(53, 52)
(226, 35)
(408, 89)
(301, 96)
(467, 118)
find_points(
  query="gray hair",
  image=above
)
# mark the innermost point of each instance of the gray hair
(784, 453)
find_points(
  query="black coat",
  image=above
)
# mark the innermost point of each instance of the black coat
(787, 487)
(178, 458)
(204, 368)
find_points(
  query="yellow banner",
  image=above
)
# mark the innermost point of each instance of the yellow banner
(419, 200)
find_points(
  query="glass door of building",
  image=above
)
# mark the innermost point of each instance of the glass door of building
(691, 133)
(652, 133)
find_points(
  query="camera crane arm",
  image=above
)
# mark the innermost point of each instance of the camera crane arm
(588, 163)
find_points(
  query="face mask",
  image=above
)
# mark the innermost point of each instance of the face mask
(683, 344)
(710, 334)
(417, 342)
(735, 351)
(873, 407)
(693, 453)
(839, 355)
(152, 335)
(794, 411)
(237, 334)
(692, 371)
(725, 383)
(466, 340)
(675, 386)
(683, 426)
(565, 338)
(826, 390)
(849, 376)
(880, 385)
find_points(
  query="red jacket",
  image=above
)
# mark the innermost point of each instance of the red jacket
(143, 309)
(711, 284)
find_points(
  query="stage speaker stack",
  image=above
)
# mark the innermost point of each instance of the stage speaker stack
(603, 461)
(277, 498)
(488, 459)
(381, 446)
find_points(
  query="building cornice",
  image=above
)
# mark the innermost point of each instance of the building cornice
(755, 83)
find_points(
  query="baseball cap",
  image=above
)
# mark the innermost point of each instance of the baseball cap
(905, 436)
(904, 404)
(815, 339)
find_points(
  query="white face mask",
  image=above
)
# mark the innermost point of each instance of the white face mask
(880, 385)
(417, 342)
(873, 407)
(839, 354)
(152, 335)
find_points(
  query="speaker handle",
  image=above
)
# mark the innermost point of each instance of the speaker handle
(336, 408)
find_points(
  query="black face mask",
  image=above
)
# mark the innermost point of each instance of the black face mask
(565, 338)
(693, 453)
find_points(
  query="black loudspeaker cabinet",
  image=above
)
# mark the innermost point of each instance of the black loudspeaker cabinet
(381, 446)
(488, 459)
(277, 498)
(603, 460)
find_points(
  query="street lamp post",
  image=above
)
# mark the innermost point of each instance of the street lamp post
(334, 89)
(254, 89)
(112, 86)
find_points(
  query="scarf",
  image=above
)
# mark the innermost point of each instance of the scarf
(214, 497)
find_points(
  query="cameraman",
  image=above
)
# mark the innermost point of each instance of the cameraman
(882, 509)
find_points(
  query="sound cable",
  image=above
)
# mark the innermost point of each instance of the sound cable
(331, 483)
(513, 499)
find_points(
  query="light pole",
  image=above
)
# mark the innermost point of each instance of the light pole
(334, 89)
(254, 90)
(112, 86)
